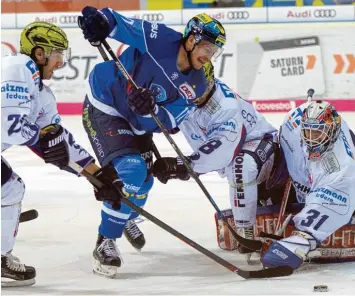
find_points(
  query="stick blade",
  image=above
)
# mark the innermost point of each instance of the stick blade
(279, 271)
(28, 215)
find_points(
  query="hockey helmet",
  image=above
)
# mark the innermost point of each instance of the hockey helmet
(320, 128)
(210, 85)
(47, 36)
(204, 27)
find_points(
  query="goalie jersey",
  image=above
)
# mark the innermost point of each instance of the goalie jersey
(327, 186)
(218, 130)
(25, 109)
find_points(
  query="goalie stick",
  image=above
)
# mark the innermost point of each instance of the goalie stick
(254, 245)
(246, 274)
(28, 215)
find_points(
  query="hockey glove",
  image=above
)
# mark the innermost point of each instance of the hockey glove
(96, 24)
(141, 101)
(111, 192)
(53, 145)
(167, 168)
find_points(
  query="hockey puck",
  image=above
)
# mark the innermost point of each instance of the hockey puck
(320, 288)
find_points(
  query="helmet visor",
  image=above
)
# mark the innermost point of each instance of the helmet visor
(60, 55)
(209, 50)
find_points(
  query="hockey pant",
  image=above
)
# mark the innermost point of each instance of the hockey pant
(113, 141)
(12, 192)
(251, 167)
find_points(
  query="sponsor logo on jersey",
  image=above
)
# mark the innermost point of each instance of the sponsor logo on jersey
(154, 31)
(329, 195)
(188, 91)
(300, 187)
(92, 133)
(239, 198)
(15, 91)
(229, 127)
(294, 120)
(346, 144)
(34, 70)
(249, 118)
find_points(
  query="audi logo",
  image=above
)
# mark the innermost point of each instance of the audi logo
(68, 19)
(153, 17)
(325, 13)
(237, 15)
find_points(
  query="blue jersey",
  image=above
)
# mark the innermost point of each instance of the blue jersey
(151, 60)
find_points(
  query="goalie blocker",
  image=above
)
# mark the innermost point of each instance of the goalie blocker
(339, 247)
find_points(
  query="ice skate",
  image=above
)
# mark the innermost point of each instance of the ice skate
(107, 257)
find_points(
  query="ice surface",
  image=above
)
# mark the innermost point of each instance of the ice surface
(59, 243)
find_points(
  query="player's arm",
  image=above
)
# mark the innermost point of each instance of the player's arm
(19, 91)
(226, 135)
(97, 25)
(72, 151)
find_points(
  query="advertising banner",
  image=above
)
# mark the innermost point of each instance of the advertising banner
(230, 15)
(333, 13)
(271, 65)
(8, 21)
(70, 19)
(296, 62)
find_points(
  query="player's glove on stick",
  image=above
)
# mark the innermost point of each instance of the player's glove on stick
(96, 24)
(167, 168)
(53, 145)
(110, 191)
(141, 101)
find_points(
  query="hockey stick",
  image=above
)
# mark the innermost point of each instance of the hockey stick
(287, 189)
(280, 219)
(250, 244)
(263, 273)
(283, 205)
(105, 58)
(28, 215)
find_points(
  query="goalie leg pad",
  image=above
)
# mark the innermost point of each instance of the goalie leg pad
(291, 251)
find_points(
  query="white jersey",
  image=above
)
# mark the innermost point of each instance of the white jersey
(326, 186)
(20, 103)
(25, 109)
(218, 130)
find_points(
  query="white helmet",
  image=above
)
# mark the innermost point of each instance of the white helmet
(320, 127)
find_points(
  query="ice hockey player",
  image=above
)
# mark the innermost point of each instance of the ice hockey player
(167, 67)
(229, 136)
(29, 117)
(319, 149)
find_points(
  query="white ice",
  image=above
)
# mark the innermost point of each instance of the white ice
(59, 243)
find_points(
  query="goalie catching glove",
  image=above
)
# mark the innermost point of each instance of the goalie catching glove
(167, 168)
(53, 145)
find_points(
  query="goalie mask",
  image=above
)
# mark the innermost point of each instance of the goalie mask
(320, 127)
